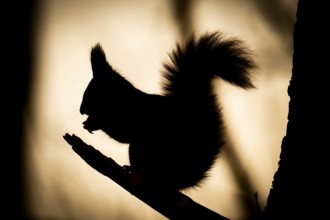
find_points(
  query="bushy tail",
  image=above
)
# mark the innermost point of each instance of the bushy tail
(195, 63)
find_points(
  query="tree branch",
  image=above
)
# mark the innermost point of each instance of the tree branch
(172, 205)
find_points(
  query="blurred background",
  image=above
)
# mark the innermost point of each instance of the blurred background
(137, 37)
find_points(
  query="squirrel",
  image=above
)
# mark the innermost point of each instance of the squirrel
(174, 137)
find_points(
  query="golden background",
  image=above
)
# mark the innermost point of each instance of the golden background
(137, 37)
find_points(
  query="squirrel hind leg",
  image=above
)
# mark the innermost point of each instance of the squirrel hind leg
(135, 178)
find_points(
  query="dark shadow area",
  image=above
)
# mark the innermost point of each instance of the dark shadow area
(17, 37)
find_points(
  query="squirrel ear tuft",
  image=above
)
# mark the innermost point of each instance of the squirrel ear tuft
(98, 60)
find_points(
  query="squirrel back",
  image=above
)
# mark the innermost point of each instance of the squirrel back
(175, 137)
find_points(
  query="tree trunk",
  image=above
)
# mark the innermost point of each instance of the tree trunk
(298, 182)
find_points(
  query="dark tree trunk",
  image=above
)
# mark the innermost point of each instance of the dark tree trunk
(299, 182)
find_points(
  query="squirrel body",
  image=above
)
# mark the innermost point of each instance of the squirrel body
(175, 137)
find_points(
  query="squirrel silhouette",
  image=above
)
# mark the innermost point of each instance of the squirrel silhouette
(174, 137)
